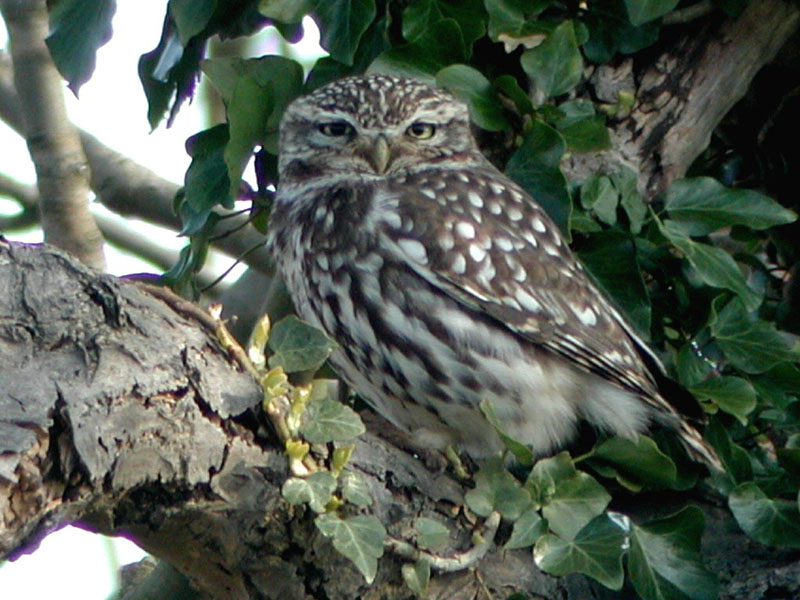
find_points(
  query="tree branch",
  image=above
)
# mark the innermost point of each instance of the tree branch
(129, 418)
(61, 166)
(132, 190)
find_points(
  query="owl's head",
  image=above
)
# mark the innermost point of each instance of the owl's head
(374, 125)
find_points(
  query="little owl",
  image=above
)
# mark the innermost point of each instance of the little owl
(445, 284)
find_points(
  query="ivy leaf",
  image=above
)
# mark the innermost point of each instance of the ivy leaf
(596, 551)
(496, 489)
(513, 22)
(770, 521)
(599, 195)
(77, 29)
(569, 498)
(431, 535)
(508, 85)
(316, 490)
(643, 11)
(630, 199)
(527, 529)
(734, 395)
(470, 85)
(206, 183)
(714, 265)
(636, 463)
(520, 451)
(587, 135)
(354, 490)
(664, 559)
(556, 65)
(441, 45)
(738, 467)
(341, 24)
(753, 345)
(359, 538)
(702, 205)
(417, 576)
(298, 346)
(421, 15)
(535, 166)
(330, 421)
(191, 17)
(285, 11)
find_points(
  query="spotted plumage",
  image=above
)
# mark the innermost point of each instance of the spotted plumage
(445, 283)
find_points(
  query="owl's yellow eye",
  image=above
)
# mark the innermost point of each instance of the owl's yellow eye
(421, 131)
(336, 129)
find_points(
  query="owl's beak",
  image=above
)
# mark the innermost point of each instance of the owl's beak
(380, 154)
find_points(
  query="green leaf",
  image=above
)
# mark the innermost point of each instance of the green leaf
(354, 490)
(431, 535)
(359, 538)
(664, 560)
(535, 166)
(421, 15)
(600, 196)
(417, 576)
(637, 462)
(738, 467)
(442, 45)
(642, 11)
(520, 451)
(556, 65)
(596, 551)
(692, 366)
(255, 91)
(753, 345)
(298, 346)
(191, 17)
(734, 395)
(770, 521)
(316, 490)
(527, 529)
(77, 29)
(285, 11)
(714, 265)
(587, 135)
(496, 489)
(330, 421)
(470, 85)
(341, 24)
(514, 20)
(630, 199)
(206, 183)
(509, 86)
(612, 259)
(702, 205)
(569, 498)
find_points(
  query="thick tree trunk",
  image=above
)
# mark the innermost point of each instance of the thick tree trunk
(127, 416)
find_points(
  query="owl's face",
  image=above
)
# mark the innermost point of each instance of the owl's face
(374, 126)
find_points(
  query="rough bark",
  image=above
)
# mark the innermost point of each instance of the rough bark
(683, 93)
(125, 416)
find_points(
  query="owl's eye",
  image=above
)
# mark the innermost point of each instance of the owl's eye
(421, 131)
(336, 129)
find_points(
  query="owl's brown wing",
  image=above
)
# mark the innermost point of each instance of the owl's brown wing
(480, 238)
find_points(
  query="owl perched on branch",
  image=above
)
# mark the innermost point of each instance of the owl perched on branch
(445, 284)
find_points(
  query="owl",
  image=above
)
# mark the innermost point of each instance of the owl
(446, 285)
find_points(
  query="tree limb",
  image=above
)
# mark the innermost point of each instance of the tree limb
(61, 166)
(129, 418)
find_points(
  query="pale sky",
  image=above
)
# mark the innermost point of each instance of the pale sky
(113, 108)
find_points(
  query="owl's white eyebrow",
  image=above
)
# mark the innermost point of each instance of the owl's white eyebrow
(332, 116)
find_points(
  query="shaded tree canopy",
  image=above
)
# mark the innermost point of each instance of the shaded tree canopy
(658, 134)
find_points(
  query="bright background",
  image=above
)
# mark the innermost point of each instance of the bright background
(72, 564)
